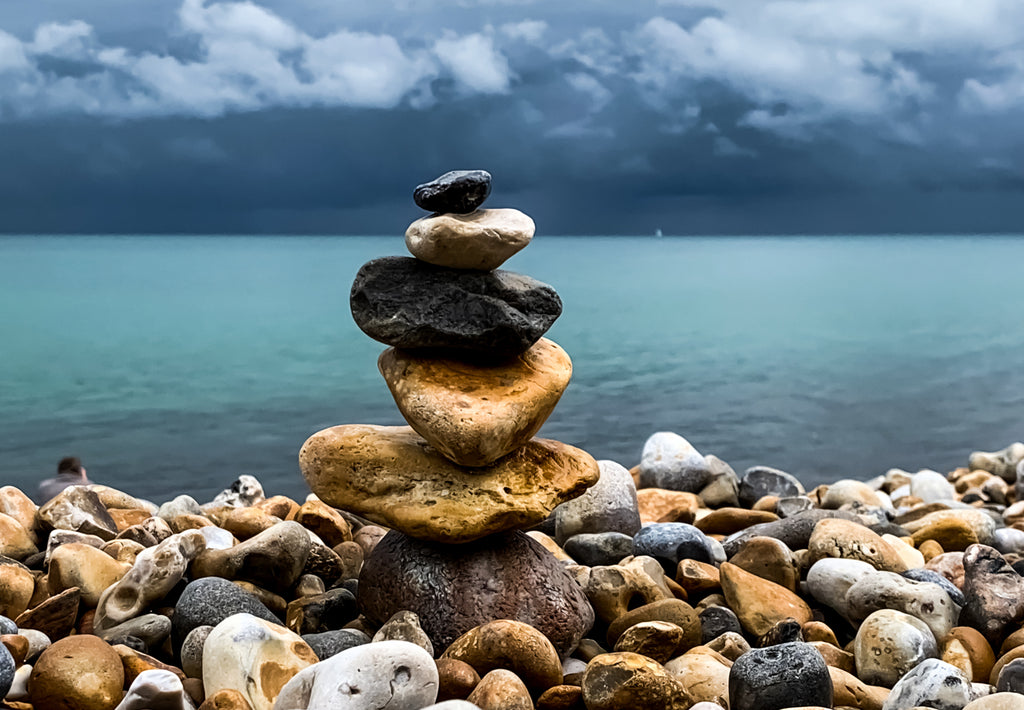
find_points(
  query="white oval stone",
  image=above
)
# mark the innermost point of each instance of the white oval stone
(483, 239)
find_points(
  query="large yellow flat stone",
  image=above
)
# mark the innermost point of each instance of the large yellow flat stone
(476, 413)
(393, 477)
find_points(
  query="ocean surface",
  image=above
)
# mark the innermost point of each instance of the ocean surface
(174, 364)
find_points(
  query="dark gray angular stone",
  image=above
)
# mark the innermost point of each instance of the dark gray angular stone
(717, 620)
(927, 575)
(670, 542)
(407, 303)
(331, 643)
(795, 531)
(132, 642)
(7, 669)
(599, 549)
(761, 481)
(454, 588)
(459, 191)
(210, 600)
(784, 676)
(7, 626)
(1011, 677)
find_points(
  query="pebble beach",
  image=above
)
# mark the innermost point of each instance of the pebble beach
(462, 563)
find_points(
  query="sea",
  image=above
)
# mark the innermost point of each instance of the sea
(173, 364)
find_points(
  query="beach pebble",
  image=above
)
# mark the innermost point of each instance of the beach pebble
(273, 559)
(392, 476)
(77, 673)
(254, 657)
(458, 191)
(331, 643)
(791, 505)
(609, 506)
(760, 481)
(1011, 677)
(522, 579)
(453, 705)
(392, 674)
(932, 683)
(847, 492)
(245, 491)
(889, 643)
(671, 462)
(37, 643)
(614, 589)
(1002, 463)
(795, 531)
(155, 572)
(56, 616)
(658, 640)
(481, 239)
(953, 529)
(180, 505)
(758, 603)
(17, 586)
(16, 541)
(624, 681)
(993, 591)
(405, 626)
(407, 303)
(156, 690)
(849, 690)
(1008, 540)
(19, 687)
(998, 701)
(931, 487)
(671, 542)
(323, 521)
(927, 575)
(887, 590)
(769, 559)
(704, 673)
(85, 567)
(594, 549)
(57, 538)
(16, 504)
(191, 651)
(849, 540)
(729, 520)
(7, 669)
(78, 508)
(501, 690)
(657, 505)
(511, 645)
(456, 679)
(718, 620)
(783, 676)
(673, 611)
(322, 612)
(722, 489)
(209, 601)
(150, 629)
(7, 626)
(472, 413)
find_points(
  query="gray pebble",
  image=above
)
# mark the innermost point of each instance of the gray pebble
(597, 549)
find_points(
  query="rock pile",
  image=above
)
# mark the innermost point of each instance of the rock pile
(472, 374)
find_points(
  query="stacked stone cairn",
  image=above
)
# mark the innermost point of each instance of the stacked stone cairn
(410, 581)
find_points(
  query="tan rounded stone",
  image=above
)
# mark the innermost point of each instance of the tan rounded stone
(15, 541)
(951, 528)
(904, 547)
(55, 616)
(126, 517)
(849, 690)
(123, 550)
(845, 539)
(351, 555)
(726, 521)
(244, 523)
(561, 697)
(758, 603)
(769, 559)
(952, 534)
(1012, 641)
(85, 567)
(77, 673)
(658, 640)
(456, 679)
(549, 544)
(368, 536)
(978, 650)
(955, 654)
(950, 565)
(476, 413)
(136, 663)
(658, 505)
(16, 504)
(16, 587)
(17, 646)
(326, 522)
(835, 656)
(730, 645)
(188, 521)
(281, 507)
(511, 645)
(482, 240)
(704, 673)
(625, 681)
(501, 690)
(673, 611)
(997, 701)
(819, 631)
(227, 699)
(392, 476)
(613, 589)
(695, 576)
(930, 549)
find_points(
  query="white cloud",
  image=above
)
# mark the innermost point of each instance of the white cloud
(996, 96)
(531, 31)
(475, 63)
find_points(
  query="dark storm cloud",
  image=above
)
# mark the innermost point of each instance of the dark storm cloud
(822, 115)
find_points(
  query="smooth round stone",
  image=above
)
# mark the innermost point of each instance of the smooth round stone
(594, 549)
(457, 191)
(501, 690)
(85, 567)
(953, 529)
(758, 603)
(783, 676)
(731, 645)
(671, 542)
(17, 586)
(658, 640)
(7, 669)
(726, 521)
(760, 481)
(671, 462)
(1003, 463)
(482, 239)
(156, 689)
(795, 531)
(931, 487)
(404, 626)
(850, 492)
(561, 697)
(927, 575)
(511, 645)
(225, 700)
(16, 541)
(209, 601)
(704, 673)
(475, 413)
(769, 559)
(1011, 677)
(37, 643)
(888, 644)
(407, 303)
(391, 674)
(994, 593)
(848, 690)
(442, 585)
(673, 611)
(274, 559)
(932, 683)
(192, 651)
(615, 589)
(830, 578)
(456, 679)
(331, 643)
(658, 505)
(624, 681)
(887, 590)
(77, 673)
(723, 488)
(1008, 540)
(255, 657)
(998, 701)
(180, 505)
(718, 620)
(609, 506)
(393, 477)
(849, 540)
(7, 626)
(982, 658)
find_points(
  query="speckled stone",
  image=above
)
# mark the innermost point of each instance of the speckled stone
(784, 676)
(511, 645)
(624, 681)
(994, 593)
(889, 643)
(208, 601)
(671, 542)
(932, 683)
(331, 643)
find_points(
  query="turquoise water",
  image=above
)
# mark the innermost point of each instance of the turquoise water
(173, 364)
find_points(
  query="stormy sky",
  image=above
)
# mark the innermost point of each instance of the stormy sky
(594, 116)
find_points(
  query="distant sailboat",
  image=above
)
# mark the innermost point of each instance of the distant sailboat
(657, 232)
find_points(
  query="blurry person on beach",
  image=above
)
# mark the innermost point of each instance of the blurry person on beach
(70, 472)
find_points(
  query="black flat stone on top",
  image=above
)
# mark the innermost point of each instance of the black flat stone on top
(459, 191)
(407, 303)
